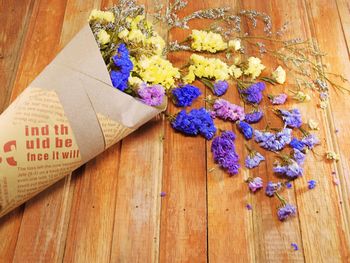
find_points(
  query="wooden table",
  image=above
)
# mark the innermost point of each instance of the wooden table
(110, 210)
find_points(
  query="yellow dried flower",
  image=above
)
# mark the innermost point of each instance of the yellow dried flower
(235, 44)
(123, 34)
(134, 81)
(235, 71)
(254, 67)
(211, 68)
(135, 22)
(157, 42)
(207, 41)
(136, 36)
(330, 155)
(324, 104)
(190, 77)
(313, 125)
(302, 97)
(103, 37)
(279, 75)
(101, 15)
(157, 70)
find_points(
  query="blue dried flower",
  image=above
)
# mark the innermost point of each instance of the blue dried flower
(254, 117)
(311, 184)
(288, 185)
(253, 94)
(220, 87)
(255, 184)
(291, 118)
(253, 159)
(185, 95)
(224, 152)
(197, 121)
(124, 66)
(295, 246)
(286, 211)
(246, 129)
(296, 144)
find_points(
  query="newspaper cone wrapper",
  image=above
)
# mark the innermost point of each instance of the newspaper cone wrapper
(68, 115)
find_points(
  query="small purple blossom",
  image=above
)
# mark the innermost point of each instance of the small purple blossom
(253, 94)
(271, 141)
(255, 184)
(311, 184)
(310, 141)
(286, 211)
(295, 246)
(299, 156)
(254, 117)
(224, 152)
(292, 169)
(225, 110)
(151, 95)
(272, 188)
(249, 207)
(245, 129)
(288, 184)
(162, 194)
(278, 99)
(220, 87)
(253, 159)
(185, 95)
(291, 118)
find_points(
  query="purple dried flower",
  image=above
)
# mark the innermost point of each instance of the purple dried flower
(151, 95)
(292, 169)
(272, 188)
(311, 184)
(249, 207)
(245, 129)
(162, 194)
(253, 159)
(310, 141)
(295, 246)
(286, 211)
(220, 87)
(254, 116)
(255, 184)
(225, 110)
(253, 94)
(299, 156)
(278, 99)
(224, 152)
(288, 185)
(271, 141)
(291, 118)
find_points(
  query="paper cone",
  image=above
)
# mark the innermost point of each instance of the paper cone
(69, 114)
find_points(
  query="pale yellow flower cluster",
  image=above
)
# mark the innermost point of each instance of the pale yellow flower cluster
(332, 156)
(211, 68)
(157, 70)
(103, 37)
(135, 35)
(302, 97)
(207, 41)
(102, 16)
(235, 44)
(279, 75)
(255, 67)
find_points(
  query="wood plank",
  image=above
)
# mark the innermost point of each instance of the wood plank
(137, 210)
(184, 209)
(272, 238)
(343, 7)
(326, 28)
(14, 18)
(229, 222)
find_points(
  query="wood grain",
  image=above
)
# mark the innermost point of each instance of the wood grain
(110, 210)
